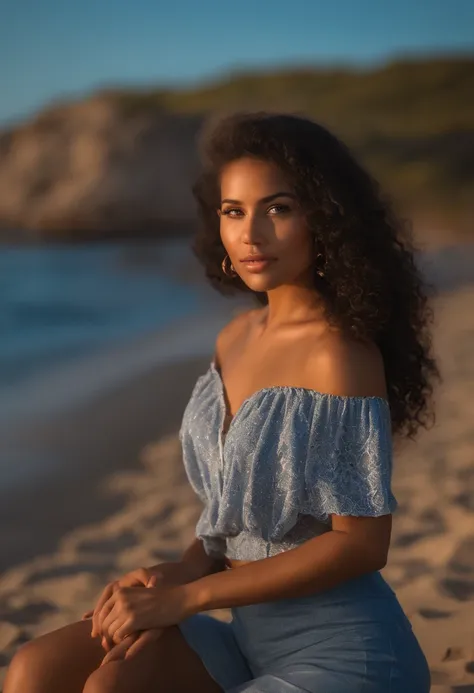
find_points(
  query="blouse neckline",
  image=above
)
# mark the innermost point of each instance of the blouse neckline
(227, 417)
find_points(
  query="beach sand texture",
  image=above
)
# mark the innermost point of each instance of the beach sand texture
(143, 512)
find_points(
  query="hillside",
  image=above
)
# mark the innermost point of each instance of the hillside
(122, 160)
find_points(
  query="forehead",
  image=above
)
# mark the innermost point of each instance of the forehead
(250, 179)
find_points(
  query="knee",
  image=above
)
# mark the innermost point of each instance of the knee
(27, 665)
(107, 679)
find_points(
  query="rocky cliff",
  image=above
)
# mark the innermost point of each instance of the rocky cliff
(90, 169)
(121, 163)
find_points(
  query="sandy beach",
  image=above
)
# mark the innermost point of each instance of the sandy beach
(121, 500)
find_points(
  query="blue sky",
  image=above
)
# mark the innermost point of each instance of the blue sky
(52, 49)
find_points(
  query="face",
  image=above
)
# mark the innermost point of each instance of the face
(260, 216)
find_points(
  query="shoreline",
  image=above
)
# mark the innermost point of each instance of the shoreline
(88, 444)
(36, 413)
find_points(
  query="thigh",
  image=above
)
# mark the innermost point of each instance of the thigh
(167, 665)
(374, 658)
(68, 659)
(215, 644)
(58, 661)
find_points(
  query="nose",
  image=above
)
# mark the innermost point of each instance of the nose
(253, 230)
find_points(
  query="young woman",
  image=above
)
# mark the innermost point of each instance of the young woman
(287, 439)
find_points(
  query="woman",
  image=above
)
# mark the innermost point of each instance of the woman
(287, 439)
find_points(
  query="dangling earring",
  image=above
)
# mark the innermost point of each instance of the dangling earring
(224, 268)
(318, 271)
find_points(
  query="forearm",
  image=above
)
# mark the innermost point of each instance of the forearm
(317, 565)
(199, 562)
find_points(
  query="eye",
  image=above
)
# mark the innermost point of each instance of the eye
(280, 209)
(232, 212)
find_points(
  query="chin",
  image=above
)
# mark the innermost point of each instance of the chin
(262, 283)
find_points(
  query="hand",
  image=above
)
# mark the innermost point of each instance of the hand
(135, 642)
(132, 609)
(134, 578)
(131, 645)
(177, 573)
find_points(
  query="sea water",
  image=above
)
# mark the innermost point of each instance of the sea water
(68, 313)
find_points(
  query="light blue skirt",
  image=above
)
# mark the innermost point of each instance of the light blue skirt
(354, 638)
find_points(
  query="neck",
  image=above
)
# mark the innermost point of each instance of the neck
(294, 303)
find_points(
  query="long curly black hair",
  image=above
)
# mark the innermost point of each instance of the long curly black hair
(371, 285)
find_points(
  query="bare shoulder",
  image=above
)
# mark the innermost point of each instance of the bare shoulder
(347, 367)
(235, 328)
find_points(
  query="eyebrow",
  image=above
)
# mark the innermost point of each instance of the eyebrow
(269, 198)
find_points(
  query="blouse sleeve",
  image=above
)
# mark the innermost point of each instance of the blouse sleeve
(349, 464)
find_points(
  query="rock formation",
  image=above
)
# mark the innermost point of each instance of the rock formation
(93, 170)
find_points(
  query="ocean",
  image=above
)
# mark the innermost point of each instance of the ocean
(78, 322)
(57, 304)
(67, 312)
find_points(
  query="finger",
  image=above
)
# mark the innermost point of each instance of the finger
(144, 639)
(106, 594)
(116, 621)
(104, 597)
(87, 615)
(110, 618)
(152, 582)
(107, 643)
(119, 630)
(105, 614)
(119, 651)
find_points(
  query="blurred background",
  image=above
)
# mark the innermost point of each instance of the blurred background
(106, 320)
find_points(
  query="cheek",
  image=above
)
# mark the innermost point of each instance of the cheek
(295, 238)
(224, 237)
(228, 239)
(227, 233)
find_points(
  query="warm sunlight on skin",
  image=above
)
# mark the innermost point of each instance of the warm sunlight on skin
(260, 214)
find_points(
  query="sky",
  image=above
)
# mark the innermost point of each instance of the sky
(59, 49)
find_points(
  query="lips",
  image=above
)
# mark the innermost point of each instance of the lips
(255, 264)
(257, 258)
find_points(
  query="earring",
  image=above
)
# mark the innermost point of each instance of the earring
(318, 255)
(320, 271)
(232, 273)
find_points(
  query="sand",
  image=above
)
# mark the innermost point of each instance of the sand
(129, 504)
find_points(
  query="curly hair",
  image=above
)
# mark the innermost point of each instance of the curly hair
(372, 288)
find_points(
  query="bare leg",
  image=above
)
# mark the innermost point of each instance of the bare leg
(68, 660)
(168, 665)
(58, 661)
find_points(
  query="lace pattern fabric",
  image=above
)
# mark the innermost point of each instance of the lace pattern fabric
(287, 455)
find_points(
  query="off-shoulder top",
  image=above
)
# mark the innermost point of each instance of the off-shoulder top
(290, 459)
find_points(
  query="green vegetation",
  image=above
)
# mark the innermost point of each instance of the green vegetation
(411, 122)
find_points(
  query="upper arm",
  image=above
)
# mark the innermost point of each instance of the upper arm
(371, 533)
(348, 368)
(353, 369)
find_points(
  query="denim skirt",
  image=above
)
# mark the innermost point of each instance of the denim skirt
(354, 638)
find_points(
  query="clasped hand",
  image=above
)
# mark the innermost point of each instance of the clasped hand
(134, 610)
